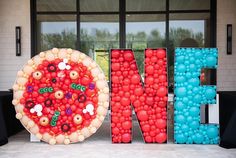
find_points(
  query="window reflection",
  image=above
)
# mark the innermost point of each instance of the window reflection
(144, 31)
(56, 31)
(99, 34)
(187, 30)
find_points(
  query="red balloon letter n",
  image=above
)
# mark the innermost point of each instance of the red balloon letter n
(149, 101)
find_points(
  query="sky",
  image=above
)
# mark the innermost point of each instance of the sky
(131, 27)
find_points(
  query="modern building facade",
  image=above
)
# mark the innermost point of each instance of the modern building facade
(96, 26)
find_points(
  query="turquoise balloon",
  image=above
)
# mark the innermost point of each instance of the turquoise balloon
(194, 111)
(212, 131)
(179, 79)
(198, 54)
(179, 105)
(189, 119)
(194, 82)
(180, 138)
(190, 140)
(210, 93)
(192, 67)
(194, 124)
(211, 61)
(196, 90)
(185, 100)
(188, 75)
(198, 139)
(181, 91)
(179, 59)
(181, 68)
(185, 128)
(179, 118)
(197, 98)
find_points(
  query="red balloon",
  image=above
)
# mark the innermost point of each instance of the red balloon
(162, 78)
(142, 115)
(115, 66)
(160, 123)
(148, 53)
(149, 80)
(115, 79)
(126, 64)
(162, 104)
(162, 91)
(115, 54)
(116, 107)
(115, 119)
(133, 67)
(161, 137)
(149, 69)
(126, 88)
(126, 138)
(160, 62)
(149, 100)
(135, 79)
(85, 81)
(136, 103)
(126, 81)
(161, 53)
(128, 56)
(127, 124)
(154, 59)
(125, 101)
(146, 128)
(138, 91)
(148, 139)
(115, 130)
(126, 113)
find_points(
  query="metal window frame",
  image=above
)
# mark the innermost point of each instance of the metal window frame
(122, 20)
(122, 23)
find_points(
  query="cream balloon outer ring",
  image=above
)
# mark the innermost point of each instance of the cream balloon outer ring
(101, 84)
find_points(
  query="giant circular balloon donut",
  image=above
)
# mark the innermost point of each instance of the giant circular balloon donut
(61, 96)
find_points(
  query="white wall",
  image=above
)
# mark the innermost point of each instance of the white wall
(13, 13)
(226, 73)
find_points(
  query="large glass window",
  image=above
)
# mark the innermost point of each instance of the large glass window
(99, 34)
(187, 30)
(56, 31)
(144, 31)
(96, 26)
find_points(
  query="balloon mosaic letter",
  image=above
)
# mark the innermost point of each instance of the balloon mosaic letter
(61, 96)
(189, 96)
(149, 103)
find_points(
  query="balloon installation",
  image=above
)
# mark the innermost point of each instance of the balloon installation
(61, 96)
(149, 102)
(190, 95)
